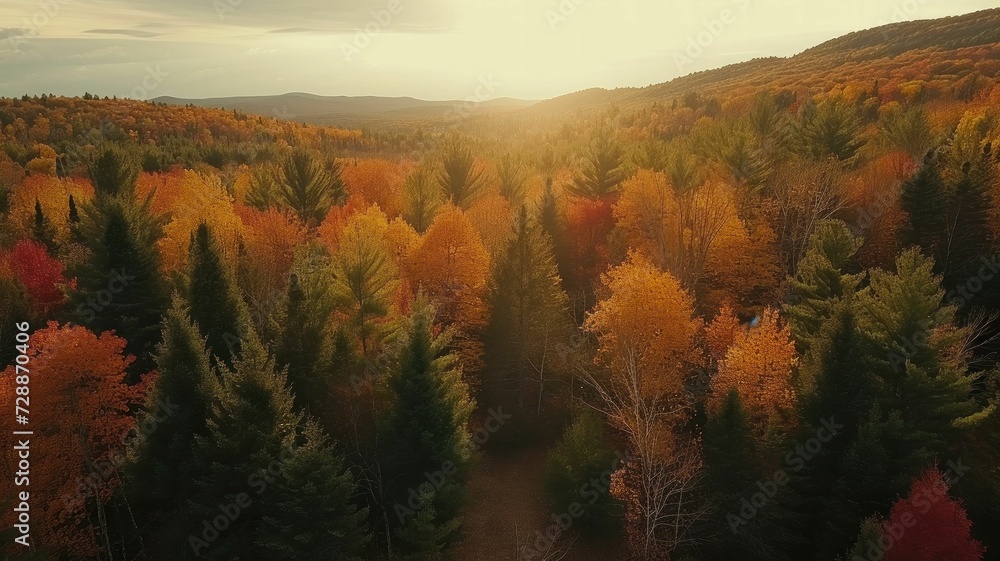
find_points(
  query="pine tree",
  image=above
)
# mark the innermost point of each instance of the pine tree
(183, 393)
(216, 305)
(923, 198)
(458, 177)
(529, 310)
(581, 457)
(821, 281)
(113, 173)
(512, 176)
(364, 276)
(551, 222)
(423, 537)
(868, 544)
(121, 287)
(308, 187)
(304, 339)
(601, 170)
(251, 436)
(421, 200)
(427, 424)
(42, 230)
(309, 511)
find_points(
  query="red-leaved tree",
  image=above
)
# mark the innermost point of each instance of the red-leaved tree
(929, 525)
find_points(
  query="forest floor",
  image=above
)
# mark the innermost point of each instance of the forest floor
(506, 506)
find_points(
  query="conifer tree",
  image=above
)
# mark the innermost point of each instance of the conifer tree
(251, 438)
(304, 339)
(421, 200)
(42, 230)
(121, 286)
(601, 170)
(309, 512)
(529, 310)
(308, 187)
(178, 404)
(821, 280)
(460, 180)
(216, 305)
(427, 425)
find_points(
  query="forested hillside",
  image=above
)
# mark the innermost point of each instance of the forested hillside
(751, 313)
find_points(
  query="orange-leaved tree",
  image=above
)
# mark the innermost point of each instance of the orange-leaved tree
(646, 333)
(80, 413)
(759, 365)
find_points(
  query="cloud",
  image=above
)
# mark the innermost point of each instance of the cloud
(128, 32)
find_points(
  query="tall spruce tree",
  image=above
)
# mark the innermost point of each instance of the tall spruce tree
(821, 280)
(251, 438)
(42, 230)
(303, 336)
(529, 311)
(427, 431)
(121, 286)
(216, 305)
(309, 512)
(308, 187)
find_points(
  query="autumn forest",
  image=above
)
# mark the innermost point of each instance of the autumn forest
(752, 313)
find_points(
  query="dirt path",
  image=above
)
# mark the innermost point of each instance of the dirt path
(505, 492)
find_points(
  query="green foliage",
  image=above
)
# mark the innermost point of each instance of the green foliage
(601, 168)
(113, 173)
(177, 408)
(251, 430)
(869, 539)
(529, 312)
(459, 179)
(421, 200)
(831, 128)
(424, 537)
(309, 511)
(42, 230)
(908, 130)
(216, 305)
(430, 411)
(820, 280)
(581, 457)
(308, 187)
(303, 336)
(265, 188)
(121, 286)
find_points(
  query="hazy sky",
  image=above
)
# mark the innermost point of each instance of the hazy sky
(430, 49)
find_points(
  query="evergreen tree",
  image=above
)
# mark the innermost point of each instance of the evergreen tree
(309, 511)
(869, 542)
(551, 222)
(732, 469)
(421, 200)
(308, 187)
(923, 198)
(427, 425)
(458, 177)
(121, 287)
(601, 170)
(42, 230)
(582, 457)
(820, 280)
(529, 310)
(830, 128)
(264, 188)
(251, 437)
(424, 537)
(303, 341)
(512, 176)
(216, 305)
(113, 173)
(178, 404)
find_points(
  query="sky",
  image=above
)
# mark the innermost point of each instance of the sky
(428, 49)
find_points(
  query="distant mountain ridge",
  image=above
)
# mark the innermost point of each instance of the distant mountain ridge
(325, 109)
(858, 52)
